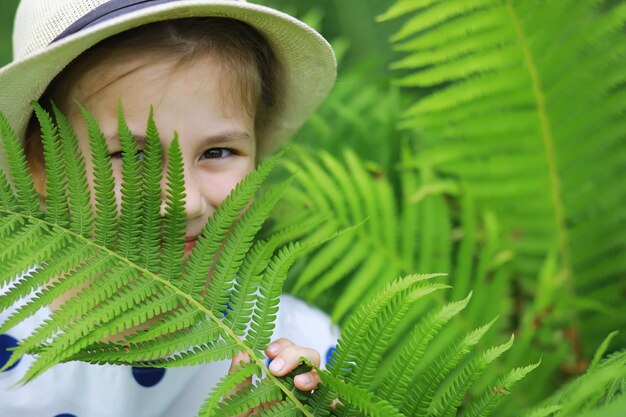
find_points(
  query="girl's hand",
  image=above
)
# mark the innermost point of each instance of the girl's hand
(285, 356)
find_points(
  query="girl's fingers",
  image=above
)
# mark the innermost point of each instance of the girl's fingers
(307, 381)
(289, 358)
(278, 346)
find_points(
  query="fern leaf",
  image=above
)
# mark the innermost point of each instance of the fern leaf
(208, 352)
(53, 270)
(27, 199)
(597, 357)
(152, 174)
(520, 71)
(81, 215)
(486, 403)
(75, 307)
(544, 411)
(182, 318)
(18, 246)
(174, 227)
(402, 7)
(209, 242)
(356, 330)
(104, 183)
(451, 400)
(38, 251)
(267, 303)
(241, 301)
(244, 400)
(421, 394)
(8, 202)
(358, 398)
(227, 384)
(131, 213)
(237, 245)
(25, 285)
(152, 350)
(379, 336)
(280, 410)
(118, 291)
(402, 373)
(57, 211)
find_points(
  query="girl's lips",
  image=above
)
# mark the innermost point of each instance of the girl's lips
(190, 244)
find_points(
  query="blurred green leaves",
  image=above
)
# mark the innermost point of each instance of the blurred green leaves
(7, 12)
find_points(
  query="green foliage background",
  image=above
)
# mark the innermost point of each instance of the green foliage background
(429, 200)
(7, 11)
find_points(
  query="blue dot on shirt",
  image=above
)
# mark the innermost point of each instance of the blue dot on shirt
(65, 415)
(7, 342)
(148, 377)
(329, 353)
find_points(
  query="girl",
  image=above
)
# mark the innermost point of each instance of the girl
(234, 80)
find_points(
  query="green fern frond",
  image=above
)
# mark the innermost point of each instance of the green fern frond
(422, 393)
(119, 290)
(246, 399)
(379, 336)
(81, 215)
(452, 398)
(280, 410)
(226, 385)
(544, 411)
(56, 182)
(152, 173)
(218, 225)
(104, 183)
(267, 303)
(7, 198)
(131, 206)
(174, 224)
(601, 351)
(131, 307)
(510, 109)
(356, 330)
(25, 197)
(236, 246)
(502, 387)
(395, 385)
(359, 398)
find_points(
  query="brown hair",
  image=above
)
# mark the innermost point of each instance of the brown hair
(246, 55)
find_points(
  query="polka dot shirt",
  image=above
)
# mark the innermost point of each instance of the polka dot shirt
(77, 389)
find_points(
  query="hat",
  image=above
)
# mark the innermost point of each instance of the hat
(49, 34)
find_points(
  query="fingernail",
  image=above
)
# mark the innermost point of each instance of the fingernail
(277, 365)
(273, 349)
(305, 379)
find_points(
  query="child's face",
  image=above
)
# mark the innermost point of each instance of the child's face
(216, 133)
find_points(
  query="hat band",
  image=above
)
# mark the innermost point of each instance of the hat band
(106, 11)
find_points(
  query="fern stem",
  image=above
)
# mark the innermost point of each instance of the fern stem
(548, 143)
(286, 390)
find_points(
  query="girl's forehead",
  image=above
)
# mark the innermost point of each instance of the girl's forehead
(147, 74)
(187, 98)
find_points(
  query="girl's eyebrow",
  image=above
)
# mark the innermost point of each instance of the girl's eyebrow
(232, 136)
(235, 135)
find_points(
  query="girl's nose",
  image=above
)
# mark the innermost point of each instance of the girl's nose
(196, 205)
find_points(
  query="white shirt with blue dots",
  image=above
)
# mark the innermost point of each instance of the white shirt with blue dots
(77, 389)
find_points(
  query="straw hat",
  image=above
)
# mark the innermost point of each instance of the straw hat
(49, 34)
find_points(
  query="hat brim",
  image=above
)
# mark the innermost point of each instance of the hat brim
(309, 65)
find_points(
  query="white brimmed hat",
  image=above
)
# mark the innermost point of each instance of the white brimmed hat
(49, 34)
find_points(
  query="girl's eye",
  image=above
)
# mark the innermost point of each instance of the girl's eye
(216, 153)
(118, 155)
